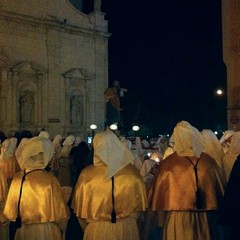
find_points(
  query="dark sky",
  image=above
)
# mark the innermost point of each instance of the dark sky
(168, 54)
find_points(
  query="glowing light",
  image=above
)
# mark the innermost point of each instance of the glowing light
(219, 92)
(135, 128)
(113, 126)
(93, 126)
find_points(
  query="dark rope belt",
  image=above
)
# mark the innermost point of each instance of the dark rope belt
(113, 214)
(199, 197)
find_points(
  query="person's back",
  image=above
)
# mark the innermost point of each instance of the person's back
(114, 190)
(35, 209)
(35, 202)
(188, 188)
(230, 207)
(127, 183)
(64, 176)
(231, 154)
(8, 162)
(79, 154)
(181, 183)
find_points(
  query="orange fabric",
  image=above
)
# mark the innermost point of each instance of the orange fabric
(174, 188)
(111, 96)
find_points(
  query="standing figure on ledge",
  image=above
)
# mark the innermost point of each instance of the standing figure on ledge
(112, 97)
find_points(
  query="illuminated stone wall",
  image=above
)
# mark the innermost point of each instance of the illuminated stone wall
(53, 67)
(231, 57)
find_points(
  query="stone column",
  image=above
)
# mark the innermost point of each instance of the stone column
(40, 100)
(3, 80)
(15, 108)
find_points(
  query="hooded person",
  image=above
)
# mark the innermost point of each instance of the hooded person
(57, 151)
(187, 189)
(231, 154)
(77, 141)
(138, 147)
(44, 134)
(8, 162)
(67, 146)
(4, 223)
(137, 161)
(79, 155)
(213, 147)
(149, 168)
(229, 216)
(117, 192)
(148, 171)
(225, 140)
(169, 149)
(35, 202)
(64, 173)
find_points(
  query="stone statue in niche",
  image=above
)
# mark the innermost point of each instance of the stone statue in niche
(26, 103)
(76, 110)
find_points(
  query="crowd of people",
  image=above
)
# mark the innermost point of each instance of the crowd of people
(183, 188)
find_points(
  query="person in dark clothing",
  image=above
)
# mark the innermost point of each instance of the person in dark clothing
(229, 216)
(89, 159)
(79, 155)
(2, 137)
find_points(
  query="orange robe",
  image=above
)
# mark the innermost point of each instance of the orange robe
(174, 194)
(111, 95)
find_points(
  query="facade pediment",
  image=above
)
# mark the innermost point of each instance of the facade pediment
(27, 67)
(5, 62)
(78, 73)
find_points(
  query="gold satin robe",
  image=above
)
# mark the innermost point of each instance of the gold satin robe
(9, 166)
(92, 202)
(173, 195)
(4, 224)
(43, 211)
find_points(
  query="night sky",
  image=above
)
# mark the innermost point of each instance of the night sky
(168, 54)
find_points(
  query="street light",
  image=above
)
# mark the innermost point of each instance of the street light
(93, 127)
(220, 106)
(113, 126)
(135, 128)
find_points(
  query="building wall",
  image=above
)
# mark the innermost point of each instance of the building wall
(231, 57)
(53, 55)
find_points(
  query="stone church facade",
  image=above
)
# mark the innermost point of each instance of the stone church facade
(231, 57)
(53, 67)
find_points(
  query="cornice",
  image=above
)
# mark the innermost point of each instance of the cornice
(53, 23)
